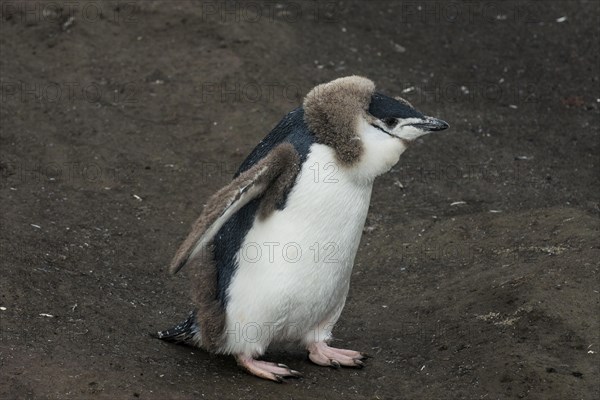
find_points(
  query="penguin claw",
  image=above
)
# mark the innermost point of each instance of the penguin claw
(359, 363)
(335, 364)
(295, 373)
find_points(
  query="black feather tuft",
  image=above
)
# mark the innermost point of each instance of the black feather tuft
(186, 332)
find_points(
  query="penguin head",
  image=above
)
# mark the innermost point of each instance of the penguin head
(366, 129)
(397, 118)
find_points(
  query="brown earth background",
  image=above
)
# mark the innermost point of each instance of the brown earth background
(477, 275)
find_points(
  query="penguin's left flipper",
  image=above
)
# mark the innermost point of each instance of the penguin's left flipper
(270, 177)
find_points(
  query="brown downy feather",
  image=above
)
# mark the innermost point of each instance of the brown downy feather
(276, 172)
(332, 112)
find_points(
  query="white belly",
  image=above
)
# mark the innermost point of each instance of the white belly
(295, 266)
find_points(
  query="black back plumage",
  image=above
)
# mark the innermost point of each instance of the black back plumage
(230, 237)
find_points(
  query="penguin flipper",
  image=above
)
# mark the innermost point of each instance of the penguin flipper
(226, 202)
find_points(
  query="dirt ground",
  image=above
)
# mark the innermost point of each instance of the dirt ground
(477, 275)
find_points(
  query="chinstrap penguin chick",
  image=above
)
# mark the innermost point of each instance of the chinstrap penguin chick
(272, 252)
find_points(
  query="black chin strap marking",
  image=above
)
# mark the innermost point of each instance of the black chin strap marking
(382, 130)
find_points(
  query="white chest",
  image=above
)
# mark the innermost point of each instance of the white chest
(294, 267)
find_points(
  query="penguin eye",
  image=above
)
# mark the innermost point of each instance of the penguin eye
(390, 122)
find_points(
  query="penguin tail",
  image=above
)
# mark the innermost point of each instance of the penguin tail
(187, 332)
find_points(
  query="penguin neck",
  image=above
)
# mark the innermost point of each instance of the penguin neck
(380, 153)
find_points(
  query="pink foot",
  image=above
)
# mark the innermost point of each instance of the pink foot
(321, 354)
(266, 370)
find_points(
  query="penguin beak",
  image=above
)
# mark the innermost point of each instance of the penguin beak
(412, 128)
(430, 124)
